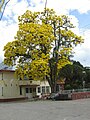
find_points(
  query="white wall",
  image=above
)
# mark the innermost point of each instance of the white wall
(10, 85)
(0, 90)
(44, 84)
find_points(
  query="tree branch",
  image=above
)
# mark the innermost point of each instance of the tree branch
(4, 9)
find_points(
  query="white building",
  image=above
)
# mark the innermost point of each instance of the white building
(8, 84)
(11, 87)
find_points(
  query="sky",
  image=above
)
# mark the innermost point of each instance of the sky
(77, 10)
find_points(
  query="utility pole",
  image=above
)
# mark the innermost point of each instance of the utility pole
(45, 5)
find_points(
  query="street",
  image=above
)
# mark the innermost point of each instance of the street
(46, 110)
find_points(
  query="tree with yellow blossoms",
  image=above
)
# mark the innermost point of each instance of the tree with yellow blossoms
(42, 46)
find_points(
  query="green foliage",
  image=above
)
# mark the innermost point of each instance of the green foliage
(86, 77)
(42, 45)
(74, 75)
(68, 87)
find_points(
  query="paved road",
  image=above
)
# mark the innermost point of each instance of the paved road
(46, 110)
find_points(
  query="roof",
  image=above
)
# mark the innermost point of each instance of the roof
(6, 68)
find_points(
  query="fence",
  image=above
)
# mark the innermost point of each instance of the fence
(76, 93)
(75, 90)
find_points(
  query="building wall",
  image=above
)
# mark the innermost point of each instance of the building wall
(0, 90)
(9, 86)
(33, 91)
(44, 88)
(23, 91)
(80, 95)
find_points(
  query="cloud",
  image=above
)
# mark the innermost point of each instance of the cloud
(63, 6)
(75, 22)
(82, 52)
(9, 23)
(14, 9)
(7, 33)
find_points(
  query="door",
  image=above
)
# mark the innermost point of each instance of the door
(30, 92)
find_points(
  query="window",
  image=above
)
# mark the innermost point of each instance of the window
(25, 78)
(43, 89)
(26, 90)
(39, 90)
(20, 90)
(47, 89)
(30, 90)
(34, 89)
(2, 91)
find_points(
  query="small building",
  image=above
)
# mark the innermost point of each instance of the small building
(11, 87)
(43, 88)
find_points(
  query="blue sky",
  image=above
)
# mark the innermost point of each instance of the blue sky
(78, 10)
(84, 19)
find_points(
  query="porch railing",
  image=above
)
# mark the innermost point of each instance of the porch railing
(29, 82)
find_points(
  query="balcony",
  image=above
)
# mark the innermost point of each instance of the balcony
(28, 82)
